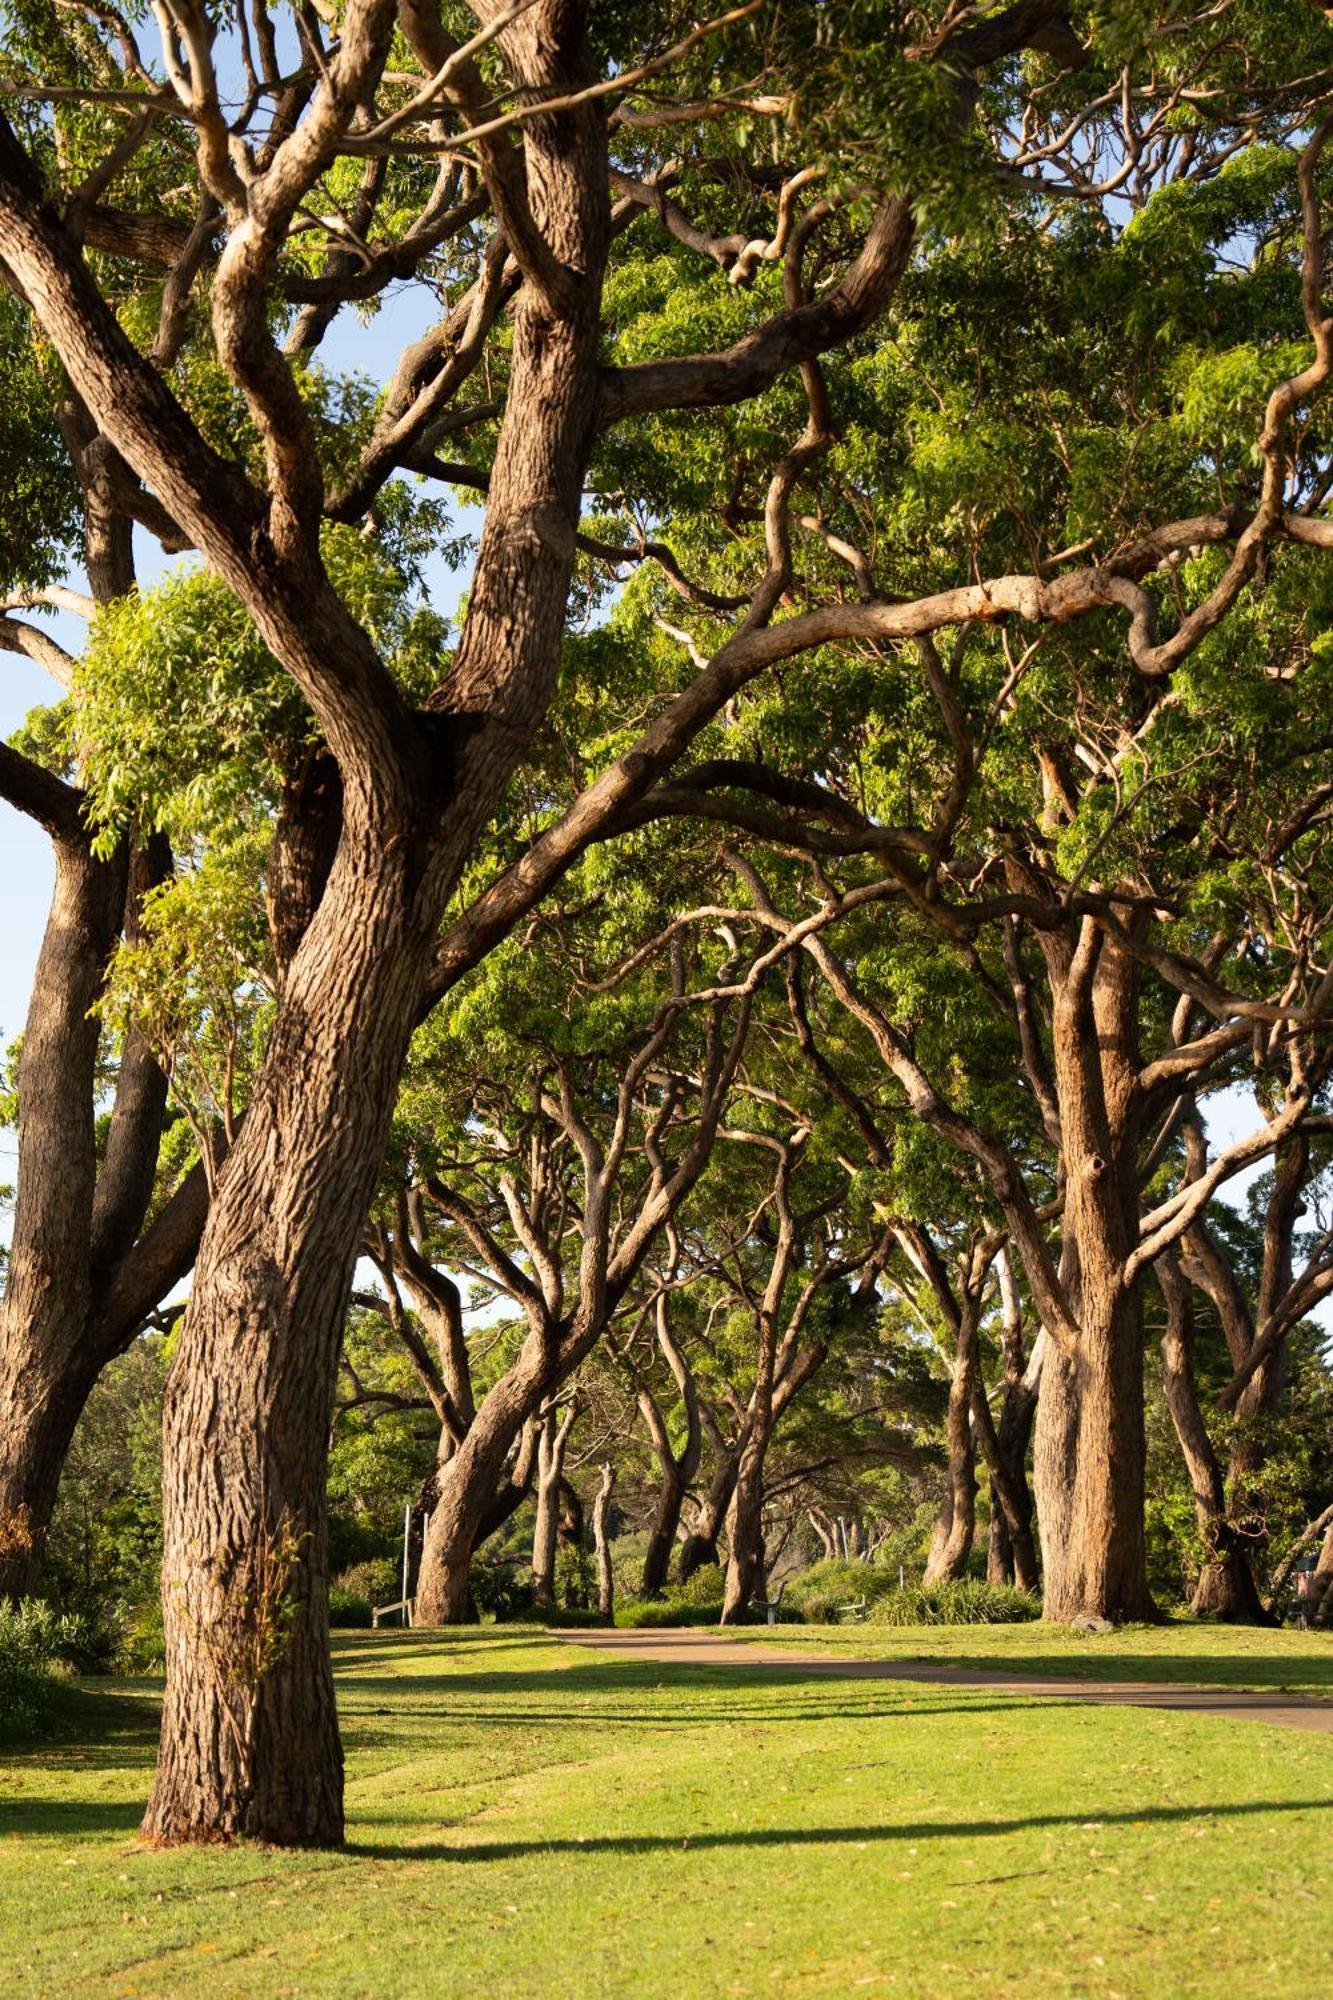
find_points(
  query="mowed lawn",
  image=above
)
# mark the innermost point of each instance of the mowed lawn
(528, 1819)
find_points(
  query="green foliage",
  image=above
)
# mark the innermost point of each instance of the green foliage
(347, 1610)
(820, 1592)
(697, 1601)
(35, 1645)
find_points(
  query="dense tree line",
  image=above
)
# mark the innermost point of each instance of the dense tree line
(758, 981)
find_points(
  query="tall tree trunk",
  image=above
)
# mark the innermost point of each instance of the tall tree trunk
(249, 1732)
(553, 1439)
(951, 1544)
(601, 1510)
(1090, 1447)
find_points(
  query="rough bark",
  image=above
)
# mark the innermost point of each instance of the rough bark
(1090, 1450)
(250, 1397)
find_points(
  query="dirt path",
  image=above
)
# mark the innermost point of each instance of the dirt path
(702, 1649)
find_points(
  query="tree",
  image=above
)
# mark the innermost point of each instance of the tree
(250, 1398)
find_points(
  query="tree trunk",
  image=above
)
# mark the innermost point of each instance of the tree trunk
(1089, 1470)
(81, 1275)
(951, 1544)
(699, 1549)
(745, 1517)
(1090, 1447)
(606, 1587)
(1226, 1588)
(249, 1732)
(1319, 1606)
(468, 1489)
(553, 1439)
(662, 1533)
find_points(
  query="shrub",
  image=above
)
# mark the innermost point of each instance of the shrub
(575, 1580)
(695, 1602)
(966, 1602)
(379, 1581)
(817, 1594)
(501, 1589)
(32, 1669)
(348, 1610)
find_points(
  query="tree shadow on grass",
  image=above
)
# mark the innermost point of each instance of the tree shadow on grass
(811, 1836)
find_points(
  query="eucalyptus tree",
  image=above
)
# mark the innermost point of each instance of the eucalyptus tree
(475, 149)
(1110, 853)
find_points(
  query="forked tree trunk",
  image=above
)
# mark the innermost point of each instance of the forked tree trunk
(699, 1549)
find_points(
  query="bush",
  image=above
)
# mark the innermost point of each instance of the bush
(966, 1602)
(32, 1668)
(695, 1602)
(575, 1579)
(502, 1589)
(818, 1592)
(379, 1581)
(348, 1610)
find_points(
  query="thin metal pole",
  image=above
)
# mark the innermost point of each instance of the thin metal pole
(407, 1530)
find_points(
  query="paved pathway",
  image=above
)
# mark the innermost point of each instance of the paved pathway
(703, 1649)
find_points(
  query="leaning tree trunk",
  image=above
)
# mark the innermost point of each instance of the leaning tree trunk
(468, 1487)
(662, 1531)
(249, 1732)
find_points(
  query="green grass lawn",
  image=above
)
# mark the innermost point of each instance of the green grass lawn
(530, 1820)
(1210, 1656)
